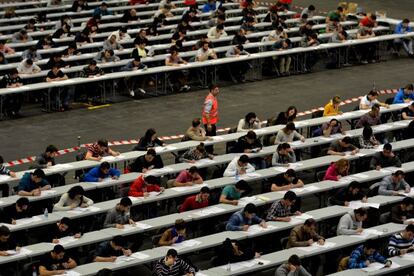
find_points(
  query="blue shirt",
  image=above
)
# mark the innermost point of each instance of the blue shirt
(400, 29)
(208, 7)
(400, 97)
(238, 219)
(27, 184)
(99, 11)
(96, 173)
(358, 258)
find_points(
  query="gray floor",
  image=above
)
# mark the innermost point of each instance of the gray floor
(172, 114)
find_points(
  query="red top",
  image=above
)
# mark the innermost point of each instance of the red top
(137, 186)
(332, 173)
(189, 2)
(288, 2)
(134, 2)
(367, 22)
(191, 203)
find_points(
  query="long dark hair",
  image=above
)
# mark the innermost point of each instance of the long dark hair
(76, 190)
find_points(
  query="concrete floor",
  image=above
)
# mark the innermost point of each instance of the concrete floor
(172, 114)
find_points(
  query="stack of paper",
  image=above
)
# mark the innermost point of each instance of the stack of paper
(378, 266)
(366, 233)
(245, 264)
(23, 221)
(207, 211)
(22, 251)
(186, 188)
(359, 204)
(123, 259)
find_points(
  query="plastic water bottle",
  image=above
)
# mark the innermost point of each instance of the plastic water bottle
(237, 175)
(34, 273)
(228, 267)
(46, 213)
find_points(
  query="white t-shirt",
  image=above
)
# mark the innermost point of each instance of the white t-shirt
(366, 101)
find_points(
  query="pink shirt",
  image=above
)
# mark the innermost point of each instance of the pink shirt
(6, 49)
(184, 177)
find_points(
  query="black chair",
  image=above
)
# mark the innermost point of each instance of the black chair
(373, 189)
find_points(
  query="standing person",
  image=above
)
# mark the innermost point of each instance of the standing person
(210, 113)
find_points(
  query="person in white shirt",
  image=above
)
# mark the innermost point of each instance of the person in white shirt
(216, 32)
(121, 34)
(28, 67)
(351, 223)
(368, 101)
(277, 34)
(205, 53)
(309, 11)
(239, 165)
(72, 199)
(249, 122)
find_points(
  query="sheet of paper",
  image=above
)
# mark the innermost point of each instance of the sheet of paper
(123, 259)
(79, 210)
(409, 256)
(28, 220)
(154, 194)
(160, 171)
(295, 221)
(4, 177)
(142, 225)
(111, 158)
(280, 169)
(208, 211)
(295, 165)
(373, 267)
(204, 161)
(311, 188)
(60, 167)
(158, 149)
(254, 229)
(187, 188)
(245, 200)
(48, 192)
(296, 143)
(217, 138)
(185, 244)
(359, 204)
(303, 216)
(140, 256)
(66, 240)
(361, 175)
(253, 175)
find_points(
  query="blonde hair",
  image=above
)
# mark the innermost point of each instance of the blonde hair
(336, 99)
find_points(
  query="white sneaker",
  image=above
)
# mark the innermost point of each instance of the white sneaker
(142, 90)
(131, 93)
(186, 87)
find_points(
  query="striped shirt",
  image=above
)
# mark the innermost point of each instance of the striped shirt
(96, 150)
(278, 210)
(397, 243)
(179, 268)
(4, 170)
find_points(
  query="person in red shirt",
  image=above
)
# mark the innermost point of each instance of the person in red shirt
(188, 177)
(369, 21)
(286, 3)
(196, 201)
(142, 186)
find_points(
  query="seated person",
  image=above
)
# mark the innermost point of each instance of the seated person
(197, 201)
(248, 123)
(97, 150)
(143, 185)
(337, 170)
(408, 112)
(132, 81)
(188, 178)
(345, 195)
(243, 219)
(332, 108)
(101, 172)
(292, 267)
(196, 132)
(72, 199)
(286, 181)
(393, 184)
(239, 166)
(370, 100)
(372, 118)
(288, 134)
(232, 193)
(403, 211)
(248, 143)
(146, 162)
(368, 140)
(238, 69)
(150, 140)
(328, 129)
(173, 235)
(385, 158)
(192, 155)
(341, 146)
(404, 95)
(61, 229)
(351, 223)
(172, 265)
(281, 210)
(366, 254)
(402, 243)
(305, 235)
(6, 241)
(108, 251)
(283, 156)
(55, 262)
(119, 215)
(32, 184)
(47, 159)
(234, 251)
(402, 28)
(17, 211)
